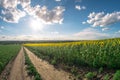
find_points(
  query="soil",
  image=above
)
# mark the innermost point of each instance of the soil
(18, 71)
(46, 70)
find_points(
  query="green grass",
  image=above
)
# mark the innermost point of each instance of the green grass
(90, 75)
(106, 77)
(7, 52)
(31, 69)
(117, 75)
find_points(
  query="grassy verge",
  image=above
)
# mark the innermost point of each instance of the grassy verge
(7, 52)
(31, 69)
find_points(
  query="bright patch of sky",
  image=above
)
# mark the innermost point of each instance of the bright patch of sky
(59, 19)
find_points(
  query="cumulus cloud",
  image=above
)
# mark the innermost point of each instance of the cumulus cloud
(8, 3)
(12, 14)
(47, 16)
(13, 3)
(90, 33)
(24, 3)
(57, 0)
(101, 19)
(78, 7)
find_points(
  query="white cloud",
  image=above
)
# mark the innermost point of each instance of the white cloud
(8, 3)
(12, 14)
(57, 0)
(83, 7)
(2, 27)
(78, 7)
(83, 22)
(47, 16)
(105, 29)
(55, 33)
(86, 34)
(101, 19)
(55, 36)
(35, 37)
(19, 37)
(90, 33)
(13, 3)
(117, 32)
(24, 3)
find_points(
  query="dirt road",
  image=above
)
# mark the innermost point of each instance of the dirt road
(18, 71)
(47, 71)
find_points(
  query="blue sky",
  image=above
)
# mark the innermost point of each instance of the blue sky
(59, 19)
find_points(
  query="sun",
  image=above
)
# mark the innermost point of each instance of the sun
(36, 24)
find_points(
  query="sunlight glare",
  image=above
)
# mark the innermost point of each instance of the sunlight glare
(36, 24)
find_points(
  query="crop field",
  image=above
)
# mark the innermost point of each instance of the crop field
(7, 52)
(99, 55)
(79, 60)
(59, 40)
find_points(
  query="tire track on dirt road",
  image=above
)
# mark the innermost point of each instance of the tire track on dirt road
(18, 71)
(46, 70)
